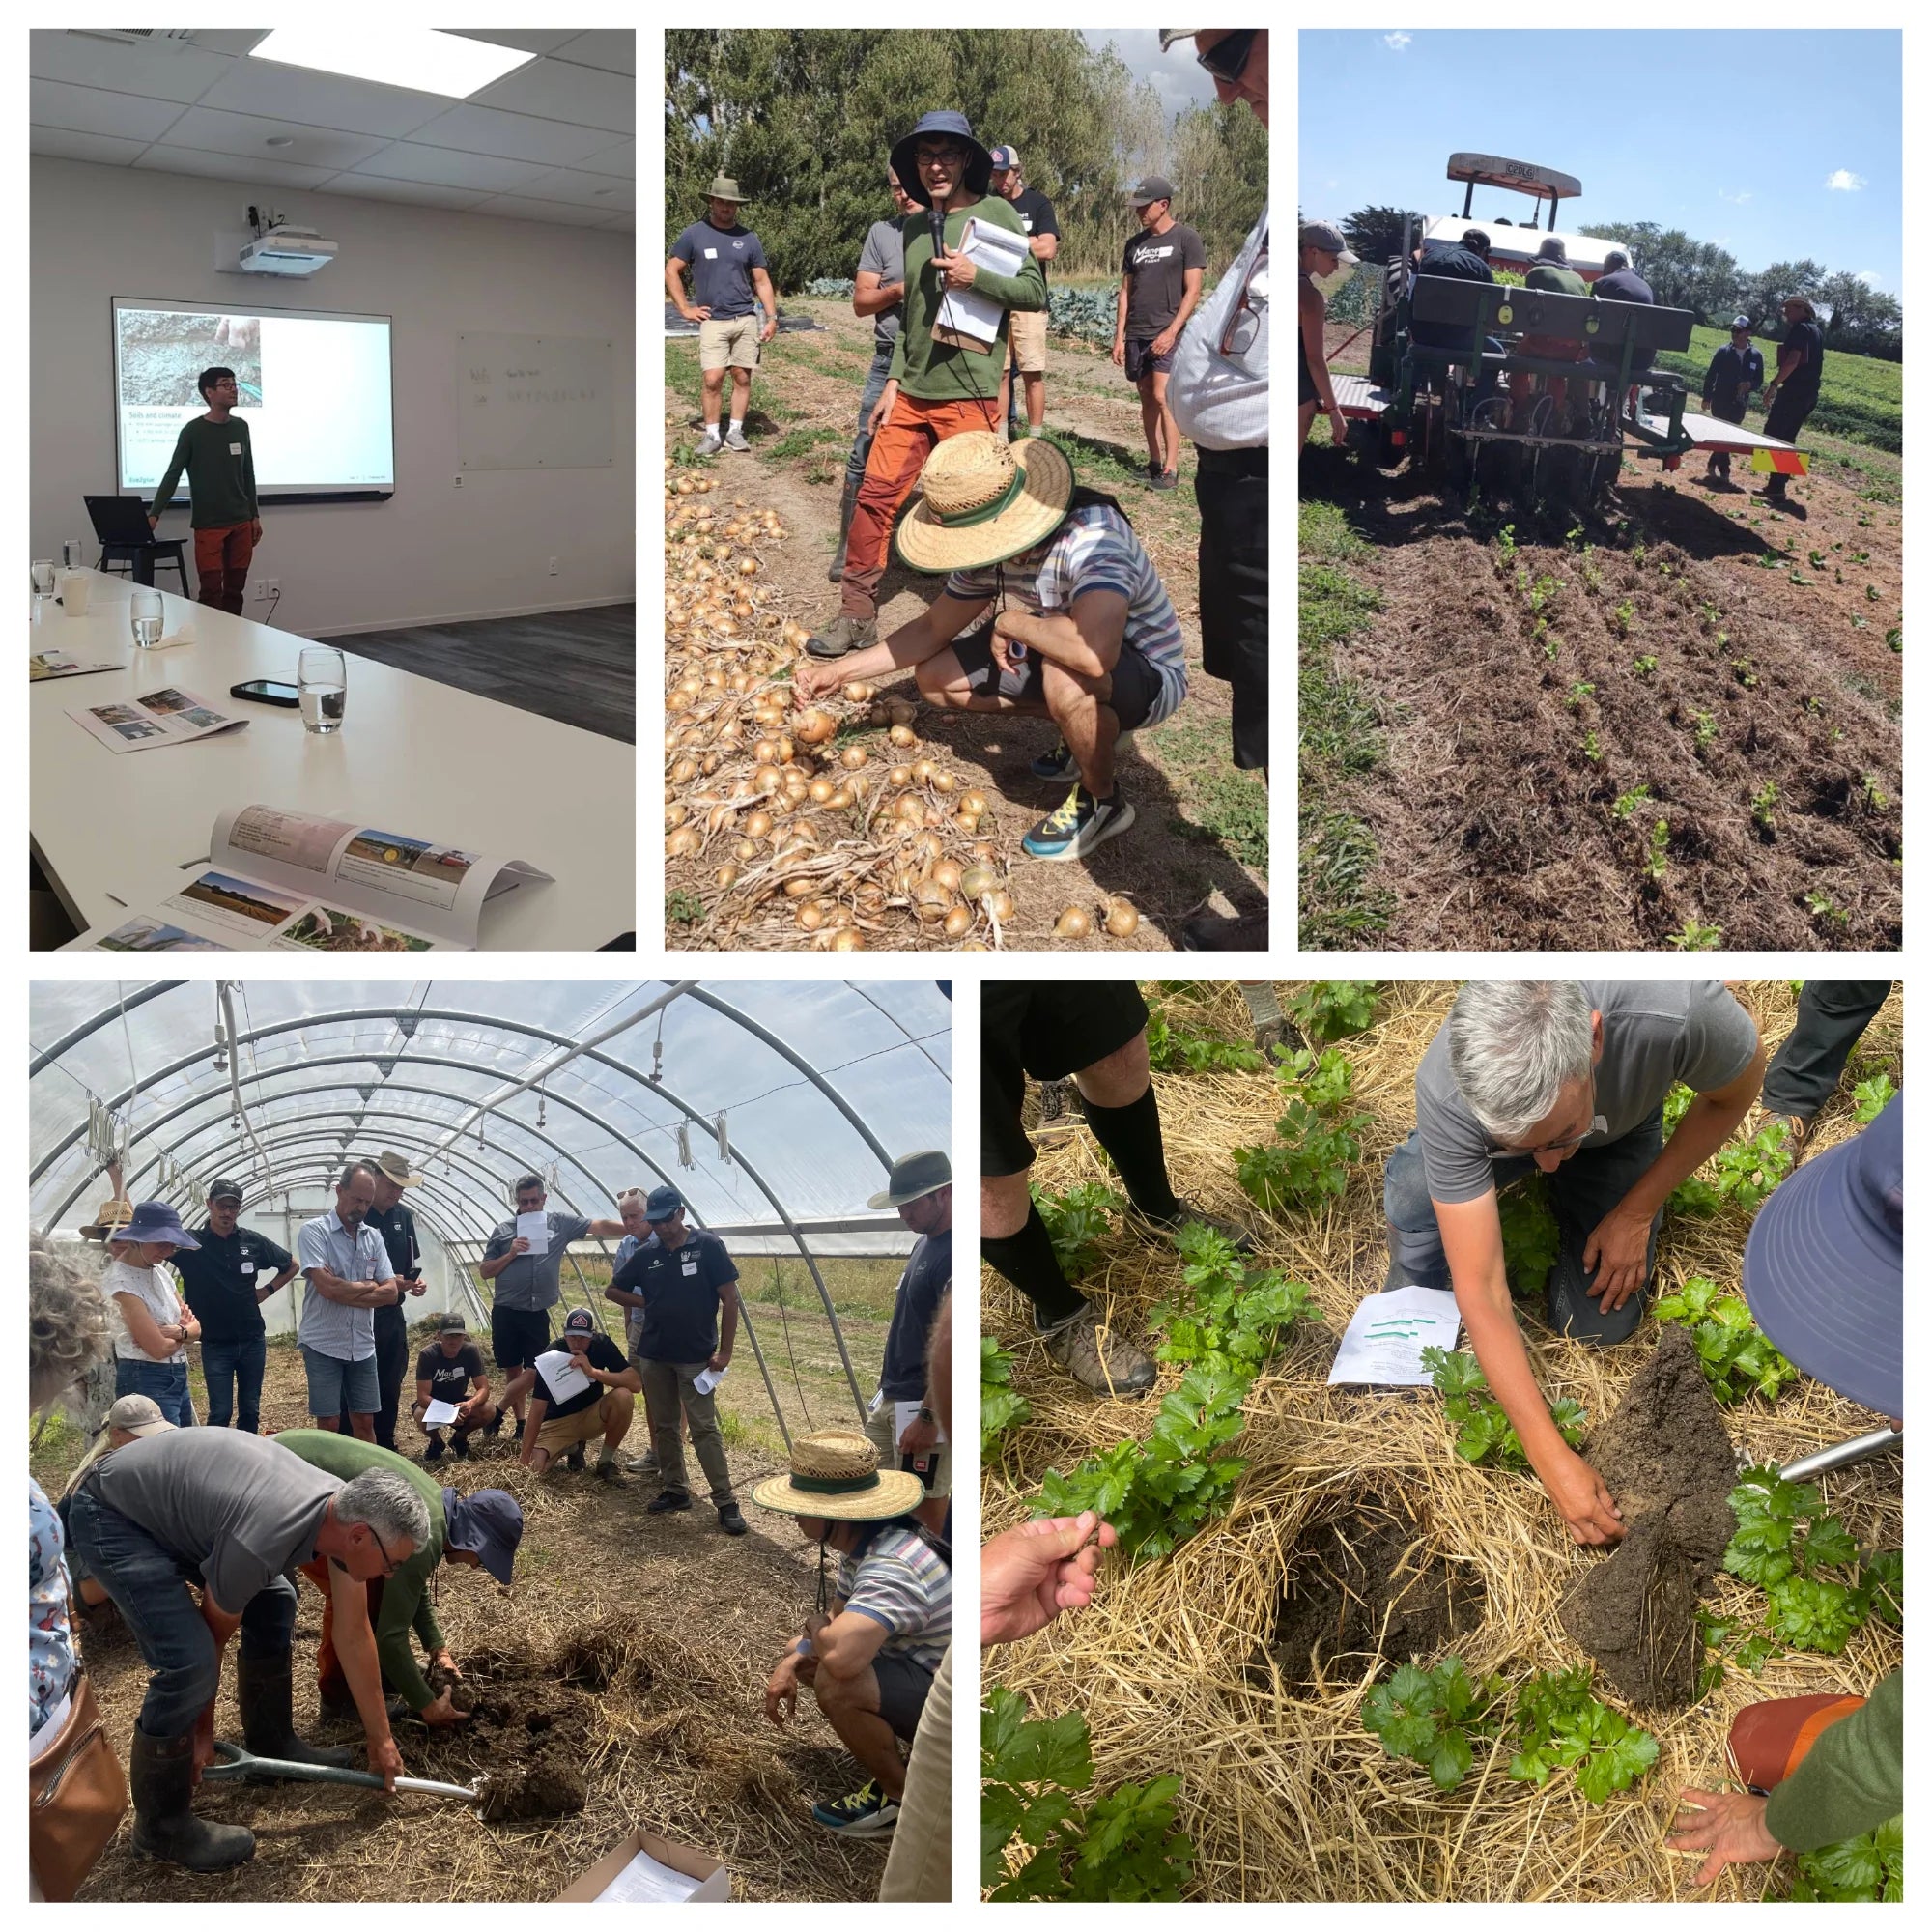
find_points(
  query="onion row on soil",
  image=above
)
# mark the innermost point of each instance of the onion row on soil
(1176, 1664)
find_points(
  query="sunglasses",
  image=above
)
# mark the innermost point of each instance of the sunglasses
(1228, 58)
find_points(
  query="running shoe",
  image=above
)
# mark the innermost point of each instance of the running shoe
(864, 1813)
(1054, 767)
(1079, 825)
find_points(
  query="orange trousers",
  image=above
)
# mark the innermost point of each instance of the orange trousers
(912, 433)
(333, 1680)
(221, 560)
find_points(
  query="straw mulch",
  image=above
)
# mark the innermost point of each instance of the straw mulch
(1286, 1797)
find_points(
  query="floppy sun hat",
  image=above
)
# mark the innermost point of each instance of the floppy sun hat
(983, 501)
(835, 1473)
(914, 1175)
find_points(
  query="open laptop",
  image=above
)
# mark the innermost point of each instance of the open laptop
(121, 521)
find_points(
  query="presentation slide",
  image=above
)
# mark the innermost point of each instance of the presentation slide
(314, 392)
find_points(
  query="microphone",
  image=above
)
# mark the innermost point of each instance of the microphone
(935, 221)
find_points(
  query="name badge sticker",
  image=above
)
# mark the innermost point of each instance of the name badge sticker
(235, 449)
(248, 1267)
(691, 1267)
(711, 254)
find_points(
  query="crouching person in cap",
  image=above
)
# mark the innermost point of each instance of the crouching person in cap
(239, 1514)
(597, 1399)
(904, 1424)
(687, 1287)
(1081, 629)
(482, 1529)
(1824, 1277)
(451, 1370)
(868, 1656)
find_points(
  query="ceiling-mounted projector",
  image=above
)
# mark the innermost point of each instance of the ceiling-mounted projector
(286, 251)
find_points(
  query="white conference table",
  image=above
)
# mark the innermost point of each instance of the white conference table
(414, 756)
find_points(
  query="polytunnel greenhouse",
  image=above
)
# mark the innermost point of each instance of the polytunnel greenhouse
(627, 1662)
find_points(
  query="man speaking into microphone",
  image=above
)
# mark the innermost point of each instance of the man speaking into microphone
(941, 384)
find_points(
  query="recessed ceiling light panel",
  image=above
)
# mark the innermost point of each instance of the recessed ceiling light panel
(423, 59)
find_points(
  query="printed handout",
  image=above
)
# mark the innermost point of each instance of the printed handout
(1383, 1343)
(561, 1375)
(166, 717)
(44, 665)
(535, 1230)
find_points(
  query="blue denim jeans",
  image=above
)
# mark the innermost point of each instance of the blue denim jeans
(335, 1385)
(235, 1369)
(862, 444)
(148, 1586)
(165, 1383)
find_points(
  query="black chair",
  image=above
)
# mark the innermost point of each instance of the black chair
(120, 527)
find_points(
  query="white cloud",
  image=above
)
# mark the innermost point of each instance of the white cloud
(1844, 181)
(1743, 195)
(1397, 40)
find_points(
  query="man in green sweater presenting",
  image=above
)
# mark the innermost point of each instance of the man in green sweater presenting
(220, 464)
(480, 1529)
(937, 387)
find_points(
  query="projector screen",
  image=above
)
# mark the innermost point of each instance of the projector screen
(315, 392)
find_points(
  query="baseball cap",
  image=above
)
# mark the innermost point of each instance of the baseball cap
(1741, 322)
(489, 1523)
(225, 1190)
(580, 1322)
(1156, 188)
(138, 1415)
(1005, 157)
(661, 1204)
(452, 1324)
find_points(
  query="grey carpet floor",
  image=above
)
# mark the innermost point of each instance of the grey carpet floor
(577, 666)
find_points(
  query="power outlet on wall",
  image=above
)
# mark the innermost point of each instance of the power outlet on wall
(459, 482)
(553, 566)
(266, 587)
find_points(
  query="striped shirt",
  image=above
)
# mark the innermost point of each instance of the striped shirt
(1221, 402)
(333, 1327)
(1094, 548)
(904, 1583)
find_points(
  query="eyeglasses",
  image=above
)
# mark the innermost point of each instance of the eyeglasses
(389, 1564)
(951, 157)
(1245, 319)
(1598, 1125)
(1228, 58)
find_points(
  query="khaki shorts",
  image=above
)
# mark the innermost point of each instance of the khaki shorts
(585, 1426)
(729, 345)
(1026, 330)
(879, 1430)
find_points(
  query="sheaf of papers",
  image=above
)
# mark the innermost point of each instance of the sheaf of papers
(904, 1414)
(707, 1379)
(561, 1375)
(646, 1882)
(438, 1413)
(969, 320)
(535, 1230)
(1387, 1334)
(166, 717)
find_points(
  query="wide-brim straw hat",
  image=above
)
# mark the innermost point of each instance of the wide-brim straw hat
(835, 1472)
(108, 1216)
(983, 501)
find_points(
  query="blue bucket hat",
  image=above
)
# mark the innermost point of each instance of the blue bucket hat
(978, 163)
(491, 1522)
(156, 1221)
(1824, 1267)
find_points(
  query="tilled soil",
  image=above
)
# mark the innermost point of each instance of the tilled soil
(1683, 655)
(1666, 1458)
(1365, 1585)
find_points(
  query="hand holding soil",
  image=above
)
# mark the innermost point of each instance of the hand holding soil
(1584, 1501)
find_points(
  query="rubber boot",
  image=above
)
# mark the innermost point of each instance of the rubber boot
(265, 1688)
(835, 571)
(160, 1779)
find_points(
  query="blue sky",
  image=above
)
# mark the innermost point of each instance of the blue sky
(1637, 141)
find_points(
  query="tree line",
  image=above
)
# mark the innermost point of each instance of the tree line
(1705, 278)
(805, 121)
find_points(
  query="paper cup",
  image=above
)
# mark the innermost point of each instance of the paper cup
(76, 587)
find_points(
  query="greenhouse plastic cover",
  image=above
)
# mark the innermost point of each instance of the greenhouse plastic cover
(329, 1069)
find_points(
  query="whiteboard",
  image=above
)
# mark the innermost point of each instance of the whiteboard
(535, 402)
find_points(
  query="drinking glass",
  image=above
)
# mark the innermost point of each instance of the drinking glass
(76, 592)
(74, 553)
(144, 611)
(44, 575)
(322, 682)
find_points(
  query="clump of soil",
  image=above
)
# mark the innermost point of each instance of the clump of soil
(528, 1732)
(1368, 1583)
(1671, 1466)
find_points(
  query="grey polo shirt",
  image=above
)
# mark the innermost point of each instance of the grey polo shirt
(1655, 1033)
(532, 1282)
(333, 1327)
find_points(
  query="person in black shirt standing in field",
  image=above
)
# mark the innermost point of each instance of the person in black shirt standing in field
(1161, 272)
(451, 1370)
(225, 1281)
(563, 1424)
(1793, 393)
(397, 1227)
(1735, 371)
(219, 459)
(688, 1282)
(1026, 334)
(904, 1423)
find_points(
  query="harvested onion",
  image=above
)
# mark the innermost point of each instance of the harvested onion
(957, 922)
(903, 735)
(815, 727)
(1072, 923)
(1123, 918)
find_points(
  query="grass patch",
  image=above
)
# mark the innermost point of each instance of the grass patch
(800, 441)
(1860, 397)
(1219, 804)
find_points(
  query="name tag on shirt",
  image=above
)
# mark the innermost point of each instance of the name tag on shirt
(711, 254)
(235, 449)
(691, 1267)
(248, 1267)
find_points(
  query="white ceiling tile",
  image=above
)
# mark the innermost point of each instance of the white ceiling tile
(420, 194)
(513, 208)
(70, 146)
(183, 73)
(217, 134)
(620, 161)
(611, 48)
(448, 167)
(587, 190)
(53, 104)
(231, 168)
(520, 137)
(585, 96)
(321, 99)
(526, 39)
(230, 40)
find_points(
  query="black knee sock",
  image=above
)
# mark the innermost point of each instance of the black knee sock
(1132, 1136)
(1027, 1259)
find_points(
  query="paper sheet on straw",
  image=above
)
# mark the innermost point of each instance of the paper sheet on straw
(1388, 1332)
